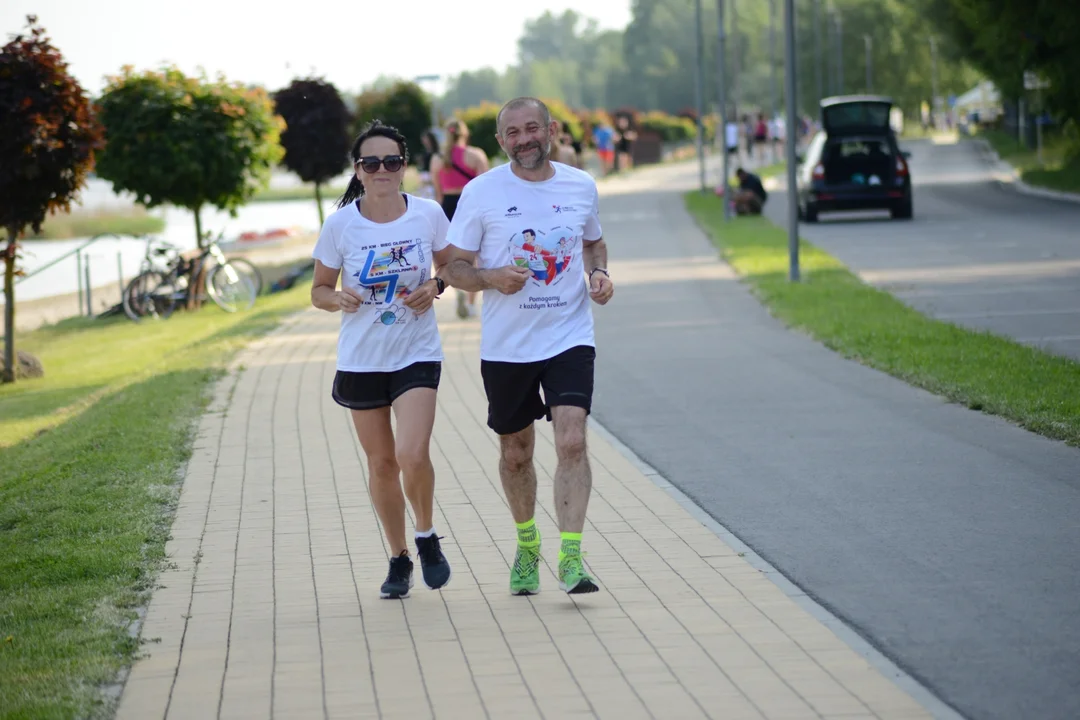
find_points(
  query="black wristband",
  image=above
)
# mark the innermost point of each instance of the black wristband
(599, 269)
(440, 286)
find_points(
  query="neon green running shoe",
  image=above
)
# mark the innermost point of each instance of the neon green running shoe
(525, 572)
(573, 578)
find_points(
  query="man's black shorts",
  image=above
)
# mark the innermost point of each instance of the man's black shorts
(513, 389)
(371, 390)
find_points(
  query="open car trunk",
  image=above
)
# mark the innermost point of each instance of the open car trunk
(859, 162)
(856, 114)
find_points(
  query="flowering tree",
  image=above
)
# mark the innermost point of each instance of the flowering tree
(48, 137)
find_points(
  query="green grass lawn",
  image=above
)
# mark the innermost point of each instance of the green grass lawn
(132, 220)
(1038, 391)
(91, 461)
(1057, 172)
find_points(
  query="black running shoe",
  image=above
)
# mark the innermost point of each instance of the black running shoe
(399, 579)
(436, 570)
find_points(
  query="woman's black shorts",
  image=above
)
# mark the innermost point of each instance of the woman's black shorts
(371, 390)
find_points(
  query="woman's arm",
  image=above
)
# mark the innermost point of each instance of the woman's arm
(436, 183)
(324, 293)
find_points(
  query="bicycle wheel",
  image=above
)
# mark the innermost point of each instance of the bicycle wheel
(245, 267)
(149, 294)
(230, 289)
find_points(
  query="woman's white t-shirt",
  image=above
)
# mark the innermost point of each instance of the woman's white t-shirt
(384, 262)
(539, 226)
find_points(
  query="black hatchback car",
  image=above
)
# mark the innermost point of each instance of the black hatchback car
(854, 163)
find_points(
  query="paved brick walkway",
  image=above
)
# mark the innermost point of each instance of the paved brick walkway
(270, 608)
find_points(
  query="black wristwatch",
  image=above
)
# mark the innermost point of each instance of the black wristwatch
(440, 286)
(599, 269)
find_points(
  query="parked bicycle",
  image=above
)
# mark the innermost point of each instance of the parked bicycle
(168, 279)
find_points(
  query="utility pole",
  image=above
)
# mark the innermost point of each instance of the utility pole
(792, 194)
(699, 96)
(869, 63)
(736, 95)
(839, 54)
(774, 93)
(819, 57)
(933, 76)
(721, 80)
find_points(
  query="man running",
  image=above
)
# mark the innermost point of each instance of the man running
(536, 327)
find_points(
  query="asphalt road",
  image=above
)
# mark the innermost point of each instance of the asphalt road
(977, 253)
(948, 538)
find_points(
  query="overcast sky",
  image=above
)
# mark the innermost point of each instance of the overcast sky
(270, 43)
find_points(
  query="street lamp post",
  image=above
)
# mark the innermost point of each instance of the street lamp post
(419, 79)
(721, 81)
(699, 96)
(839, 54)
(933, 80)
(792, 194)
(819, 57)
(736, 96)
(773, 90)
(869, 63)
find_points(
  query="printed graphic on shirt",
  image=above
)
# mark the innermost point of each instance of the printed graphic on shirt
(385, 278)
(547, 254)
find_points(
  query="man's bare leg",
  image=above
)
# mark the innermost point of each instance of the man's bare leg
(518, 475)
(573, 476)
(573, 486)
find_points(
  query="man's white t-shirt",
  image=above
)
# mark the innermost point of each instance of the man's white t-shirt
(541, 226)
(384, 262)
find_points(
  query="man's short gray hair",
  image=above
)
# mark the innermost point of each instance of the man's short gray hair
(522, 102)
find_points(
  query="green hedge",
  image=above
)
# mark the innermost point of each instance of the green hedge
(669, 127)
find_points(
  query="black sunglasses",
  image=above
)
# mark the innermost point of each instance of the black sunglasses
(370, 164)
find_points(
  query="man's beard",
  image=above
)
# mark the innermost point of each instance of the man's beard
(544, 149)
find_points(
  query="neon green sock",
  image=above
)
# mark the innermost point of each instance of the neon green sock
(571, 545)
(528, 535)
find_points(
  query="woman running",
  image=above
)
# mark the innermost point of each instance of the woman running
(451, 171)
(381, 243)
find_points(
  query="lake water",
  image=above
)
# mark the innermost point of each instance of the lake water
(109, 258)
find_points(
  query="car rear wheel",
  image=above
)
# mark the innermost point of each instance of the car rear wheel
(903, 211)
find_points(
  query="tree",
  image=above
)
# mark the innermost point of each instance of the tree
(48, 137)
(316, 137)
(1005, 38)
(404, 105)
(187, 141)
(482, 127)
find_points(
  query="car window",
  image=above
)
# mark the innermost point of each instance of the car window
(847, 148)
(857, 114)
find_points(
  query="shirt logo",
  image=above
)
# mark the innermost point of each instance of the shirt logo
(563, 208)
(512, 212)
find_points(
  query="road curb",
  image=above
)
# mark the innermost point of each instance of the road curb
(890, 670)
(1007, 174)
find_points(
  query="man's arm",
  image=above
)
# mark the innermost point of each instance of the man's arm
(459, 270)
(594, 254)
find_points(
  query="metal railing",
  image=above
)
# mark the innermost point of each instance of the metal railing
(82, 269)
